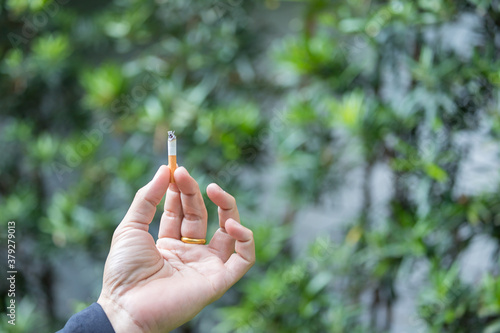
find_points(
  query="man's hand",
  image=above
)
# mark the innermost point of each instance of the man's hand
(156, 287)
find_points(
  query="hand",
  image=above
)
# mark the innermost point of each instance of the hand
(150, 287)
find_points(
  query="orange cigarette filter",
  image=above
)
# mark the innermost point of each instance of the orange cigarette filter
(172, 154)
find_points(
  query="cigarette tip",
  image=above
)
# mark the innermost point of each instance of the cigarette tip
(171, 135)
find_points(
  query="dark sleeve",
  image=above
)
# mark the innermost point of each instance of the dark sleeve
(91, 320)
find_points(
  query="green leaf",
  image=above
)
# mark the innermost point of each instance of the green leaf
(436, 172)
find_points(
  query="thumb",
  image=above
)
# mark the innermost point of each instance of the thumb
(143, 208)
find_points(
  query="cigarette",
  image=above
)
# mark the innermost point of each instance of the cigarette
(172, 154)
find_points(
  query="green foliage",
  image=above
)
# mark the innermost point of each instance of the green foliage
(345, 58)
(88, 91)
(272, 296)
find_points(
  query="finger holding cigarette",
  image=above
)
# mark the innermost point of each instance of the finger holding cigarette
(172, 154)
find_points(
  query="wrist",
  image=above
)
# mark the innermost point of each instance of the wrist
(119, 318)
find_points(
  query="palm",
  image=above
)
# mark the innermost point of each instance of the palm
(195, 265)
(167, 283)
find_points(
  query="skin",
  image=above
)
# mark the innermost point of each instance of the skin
(156, 287)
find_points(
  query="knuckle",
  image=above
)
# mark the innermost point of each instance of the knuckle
(170, 214)
(140, 193)
(193, 216)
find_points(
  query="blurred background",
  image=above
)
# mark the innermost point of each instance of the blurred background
(360, 138)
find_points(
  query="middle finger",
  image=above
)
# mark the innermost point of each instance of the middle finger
(194, 222)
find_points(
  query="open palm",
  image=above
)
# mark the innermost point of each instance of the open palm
(155, 287)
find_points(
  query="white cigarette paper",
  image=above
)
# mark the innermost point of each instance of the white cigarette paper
(172, 143)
